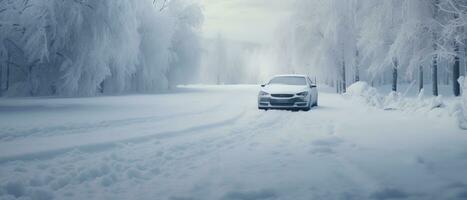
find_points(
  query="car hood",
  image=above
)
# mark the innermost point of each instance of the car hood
(284, 89)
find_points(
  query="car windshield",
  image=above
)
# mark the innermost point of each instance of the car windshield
(288, 80)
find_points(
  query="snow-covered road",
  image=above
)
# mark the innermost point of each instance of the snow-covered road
(211, 142)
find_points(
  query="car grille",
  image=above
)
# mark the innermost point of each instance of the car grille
(286, 102)
(276, 102)
(282, 104)
(282, 95)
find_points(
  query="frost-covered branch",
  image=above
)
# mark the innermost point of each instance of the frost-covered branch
(82, 48)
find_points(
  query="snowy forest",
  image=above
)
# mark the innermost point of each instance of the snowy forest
(87, 48)
(381, 42)
(233, 99)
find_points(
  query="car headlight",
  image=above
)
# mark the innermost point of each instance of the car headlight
(263, 93)
(303, 94)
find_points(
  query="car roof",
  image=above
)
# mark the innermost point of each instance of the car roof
(291, 75)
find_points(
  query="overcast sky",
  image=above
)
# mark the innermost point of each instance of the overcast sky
(244, 20)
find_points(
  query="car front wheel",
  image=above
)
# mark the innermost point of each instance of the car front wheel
(309, 106)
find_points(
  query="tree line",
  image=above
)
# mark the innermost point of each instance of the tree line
(377, 41)
(86, 47)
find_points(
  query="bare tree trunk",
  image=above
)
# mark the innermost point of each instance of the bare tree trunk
(456, 67)
(456, 71)
(447, 73)
(434, 67)
(8, 73)
(30, 80)
(434, 75)
(340, 86)
(337, 86)
(357, 67)
(344, 85)
(1, 78)
(394, 75)
(420, 79)
(465, 56)
(102, 85)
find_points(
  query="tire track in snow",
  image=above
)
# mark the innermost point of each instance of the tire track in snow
(12, 134)
(239, 133)
(103, 146)
(253, 128)
(257, 124)
(327, 145)
(359, 177)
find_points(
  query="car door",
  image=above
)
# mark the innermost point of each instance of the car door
(314, 90)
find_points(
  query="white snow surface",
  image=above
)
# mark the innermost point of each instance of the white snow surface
(211, 142)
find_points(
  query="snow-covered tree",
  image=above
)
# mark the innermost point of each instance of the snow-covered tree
(454, 35)
(381, 40)
(326, 36)
(89, 47)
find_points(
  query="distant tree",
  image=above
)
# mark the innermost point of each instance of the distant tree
(454, 13)
(434, 66)
(357, 66)
(420, 79)
(395, 74)
(456, 69)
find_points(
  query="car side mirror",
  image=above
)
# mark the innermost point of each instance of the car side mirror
(312, 86)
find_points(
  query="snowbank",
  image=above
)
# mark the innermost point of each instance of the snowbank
(394, 100)
(437, 106)
(364, 91)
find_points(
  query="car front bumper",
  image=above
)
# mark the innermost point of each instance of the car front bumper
(268, 102)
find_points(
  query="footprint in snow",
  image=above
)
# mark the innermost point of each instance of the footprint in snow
(250, 195)
(322, 150)
(389, 193)
(330, 129)
(325, 145)
(459, 189)
(328, 142)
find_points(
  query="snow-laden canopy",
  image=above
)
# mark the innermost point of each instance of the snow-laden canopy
(89, 47)
(367, 38)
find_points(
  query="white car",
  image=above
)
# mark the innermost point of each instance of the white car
(295, 92)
